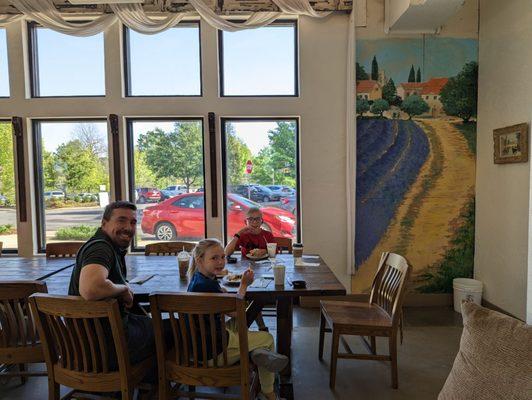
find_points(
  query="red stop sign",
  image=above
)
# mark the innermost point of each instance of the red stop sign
(249, 167)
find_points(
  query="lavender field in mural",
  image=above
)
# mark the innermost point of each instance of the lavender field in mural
(391, 152)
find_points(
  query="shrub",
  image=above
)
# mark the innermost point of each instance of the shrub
(6, 229)
(78, 232)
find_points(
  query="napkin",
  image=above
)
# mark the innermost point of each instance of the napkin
(301, 263)
(310, 256)
(262, 262)
(260, 283)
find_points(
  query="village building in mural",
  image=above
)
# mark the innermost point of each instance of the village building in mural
(415, 175)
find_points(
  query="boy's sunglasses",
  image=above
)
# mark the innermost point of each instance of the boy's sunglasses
(254, 219)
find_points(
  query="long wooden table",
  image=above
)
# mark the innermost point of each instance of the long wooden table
(32, 268)
(320, 281)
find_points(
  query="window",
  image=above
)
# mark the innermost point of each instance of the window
(259, 62)
(72, 177)
(258, 153)
(64, 65)
(4, 75)
(167, 153)
(166, 64)
(8, 211)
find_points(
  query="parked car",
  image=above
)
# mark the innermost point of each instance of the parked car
(3, 200)
(289, 204)
(146, 195)
(172, 191)
(201, 189)
(257, 193)
(183, 217)
(281, 190)
(54, 194)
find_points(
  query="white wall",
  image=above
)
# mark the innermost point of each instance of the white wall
(502, 247)
(321, 108)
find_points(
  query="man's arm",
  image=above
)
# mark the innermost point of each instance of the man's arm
(95, 285)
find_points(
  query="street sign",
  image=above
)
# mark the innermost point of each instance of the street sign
(249, 167)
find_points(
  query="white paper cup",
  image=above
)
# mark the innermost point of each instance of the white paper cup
(278, 274)
(272, 249)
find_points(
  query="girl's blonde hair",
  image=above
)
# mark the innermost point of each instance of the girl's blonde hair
(199, 251)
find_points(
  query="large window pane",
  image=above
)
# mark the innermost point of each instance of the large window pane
(168, 179)
(166, 64)
(65, 65)
(259, 62)
(270, 148)
(73, 177)
(4, 76)
(8, 214)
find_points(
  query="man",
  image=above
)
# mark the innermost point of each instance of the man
(100, 273)
(251, 239)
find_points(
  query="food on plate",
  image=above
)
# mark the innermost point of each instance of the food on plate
(234, 277)
(223, 272)
(258, 252)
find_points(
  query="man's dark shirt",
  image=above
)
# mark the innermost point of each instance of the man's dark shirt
(203, 284)
(99, 249)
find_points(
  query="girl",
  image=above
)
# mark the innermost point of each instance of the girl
(208, 260)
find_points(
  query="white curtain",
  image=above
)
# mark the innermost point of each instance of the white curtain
(45, 13)
(7, 19)
(134, 17)
(299, 7)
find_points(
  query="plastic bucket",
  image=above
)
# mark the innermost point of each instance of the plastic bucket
(466, 289)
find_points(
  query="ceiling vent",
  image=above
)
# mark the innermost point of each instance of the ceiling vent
(418, 16)
(90, 2)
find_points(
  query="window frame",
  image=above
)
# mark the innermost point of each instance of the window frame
(33, 66)
(38, 176)
(126, 70)
(11, 250)
(131, 164)
(221, 76)
(223, 121)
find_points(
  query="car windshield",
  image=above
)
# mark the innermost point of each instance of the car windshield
(246, 202)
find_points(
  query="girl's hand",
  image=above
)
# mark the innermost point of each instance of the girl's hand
(247, 278)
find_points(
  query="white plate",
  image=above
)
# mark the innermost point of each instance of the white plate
(228, 282)
(257, 258)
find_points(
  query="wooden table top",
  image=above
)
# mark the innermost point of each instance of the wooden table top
(32, 268)
(320, 280)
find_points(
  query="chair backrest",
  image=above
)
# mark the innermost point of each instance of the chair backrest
(192, 318)
(168, 248)
(283, 244)
(17, 324)
(389, 284)
(75, 334)
(62, 249)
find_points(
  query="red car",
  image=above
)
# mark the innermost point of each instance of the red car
(145, 195)
(183, 216)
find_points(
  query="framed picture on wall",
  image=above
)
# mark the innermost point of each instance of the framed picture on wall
(510, 144)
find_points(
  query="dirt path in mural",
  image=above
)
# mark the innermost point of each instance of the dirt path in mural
(422, 226)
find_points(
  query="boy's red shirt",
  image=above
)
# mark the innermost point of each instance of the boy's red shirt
(249, 241)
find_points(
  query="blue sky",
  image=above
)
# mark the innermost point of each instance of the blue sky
(4, 80)
(443, 57)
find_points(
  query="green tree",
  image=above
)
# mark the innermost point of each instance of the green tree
(418, 75)
(414, 105)
(361, 74)
(374, 69)
(283, 157)
(459, 95)
(263, 170)
(379, 106)
(389, 92)
(144, 176)
(412, 75)
(175, 155)
(362, 106)
(7, 167)
(238, 153)
(50, 170)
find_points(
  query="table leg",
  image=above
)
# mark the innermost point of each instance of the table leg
(284, 344)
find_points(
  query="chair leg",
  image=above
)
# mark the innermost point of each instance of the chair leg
(322, 334)
(53, 390)
(393, 355)
(373, 345)
(22, 368)
(163, 389)
(260, 323)
(334, 358)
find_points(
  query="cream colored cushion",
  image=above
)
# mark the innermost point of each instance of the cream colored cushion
(494, 360)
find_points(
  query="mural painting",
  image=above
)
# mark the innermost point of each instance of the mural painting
(415, 176)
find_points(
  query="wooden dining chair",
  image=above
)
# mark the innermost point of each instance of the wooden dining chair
(185, 363)
(379, 317)
(168, 248)
(19, 341)
(74, 332)
(283, 244)
(62, 249)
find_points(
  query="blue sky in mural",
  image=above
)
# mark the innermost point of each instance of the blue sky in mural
(443, 57)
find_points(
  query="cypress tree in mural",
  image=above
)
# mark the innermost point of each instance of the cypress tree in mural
(389, 91)
(459, 95)
(362, 75)
(412, 75)
(374, 69)
(418, 75)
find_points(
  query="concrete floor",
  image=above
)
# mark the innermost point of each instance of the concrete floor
(431, 340)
